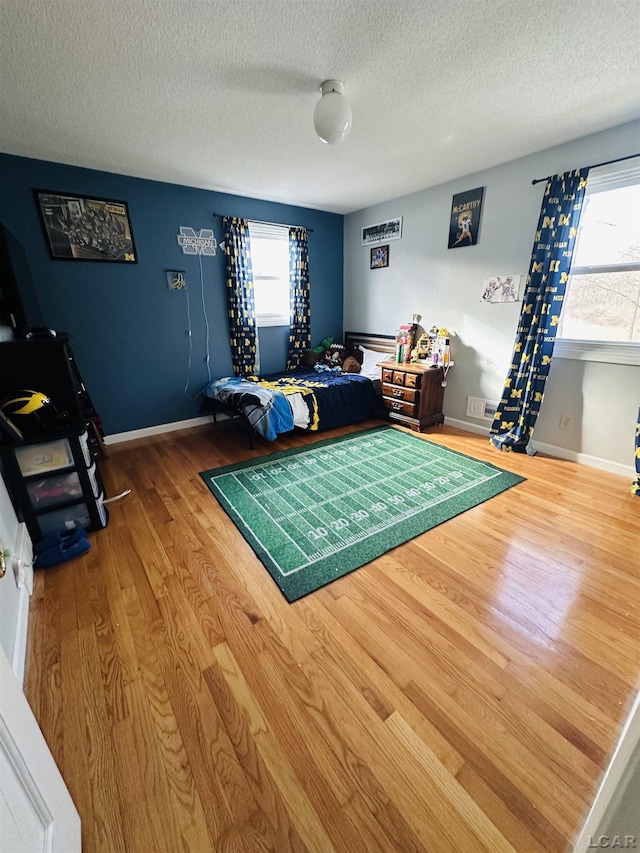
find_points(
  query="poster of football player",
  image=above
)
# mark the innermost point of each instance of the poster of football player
(465, 218)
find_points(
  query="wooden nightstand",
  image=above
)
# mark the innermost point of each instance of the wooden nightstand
(413, 394)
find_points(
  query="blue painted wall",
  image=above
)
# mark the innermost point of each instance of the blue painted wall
(129, 331)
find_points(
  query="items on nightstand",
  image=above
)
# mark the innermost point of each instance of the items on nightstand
(444, 350)
(405, 338)
(439, 337)
(422, 349)
(412, 386)
(439, 351)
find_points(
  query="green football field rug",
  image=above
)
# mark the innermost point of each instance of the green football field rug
(315, 513)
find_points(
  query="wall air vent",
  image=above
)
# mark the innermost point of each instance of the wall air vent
(479, 408)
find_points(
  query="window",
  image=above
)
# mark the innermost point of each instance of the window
(600, 317)
(270, 260)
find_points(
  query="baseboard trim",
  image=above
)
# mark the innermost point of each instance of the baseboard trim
(550, 449)
(467, 426)
(586, 459)
(557, 452)
(119, 437)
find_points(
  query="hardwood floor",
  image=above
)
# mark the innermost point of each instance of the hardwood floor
(463, 692)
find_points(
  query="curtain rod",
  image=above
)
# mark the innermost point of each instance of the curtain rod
(595, 166)
(281, 224)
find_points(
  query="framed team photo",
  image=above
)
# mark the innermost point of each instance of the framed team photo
(382, 232)
(83, 228)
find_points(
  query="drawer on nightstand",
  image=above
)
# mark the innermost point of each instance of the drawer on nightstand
(387, 374)
(398, 377)
(400, 407)
(399, 393)
(413, 380)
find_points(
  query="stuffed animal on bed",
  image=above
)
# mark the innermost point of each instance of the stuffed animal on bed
(324, 344)
(332, 356)
(351, 365)
(311, 357)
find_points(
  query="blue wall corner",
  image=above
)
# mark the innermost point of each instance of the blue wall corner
(128, 329)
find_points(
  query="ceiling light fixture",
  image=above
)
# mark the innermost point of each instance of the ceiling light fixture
(332, 116)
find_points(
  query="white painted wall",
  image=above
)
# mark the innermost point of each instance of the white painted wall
(444, 285)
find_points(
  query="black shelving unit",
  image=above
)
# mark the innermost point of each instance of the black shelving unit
(52, 476)
(54, 483)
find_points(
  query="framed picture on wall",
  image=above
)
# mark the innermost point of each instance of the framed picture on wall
(83, 228)
(379, 258)
(465, 218)
(382, 232)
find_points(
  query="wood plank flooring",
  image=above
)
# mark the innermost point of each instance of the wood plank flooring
(463, 692)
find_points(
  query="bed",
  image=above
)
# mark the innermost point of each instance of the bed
(315, 397)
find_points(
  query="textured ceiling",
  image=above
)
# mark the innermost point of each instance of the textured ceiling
(221, 95)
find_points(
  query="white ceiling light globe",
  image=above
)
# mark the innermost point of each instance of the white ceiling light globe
(332, 116)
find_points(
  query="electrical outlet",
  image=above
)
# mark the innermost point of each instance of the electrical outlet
(566, 421)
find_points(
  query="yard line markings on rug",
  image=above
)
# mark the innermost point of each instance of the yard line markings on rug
(315, 505)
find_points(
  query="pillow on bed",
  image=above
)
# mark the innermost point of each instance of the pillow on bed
(370, 358)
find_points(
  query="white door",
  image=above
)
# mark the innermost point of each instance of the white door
(36, 810)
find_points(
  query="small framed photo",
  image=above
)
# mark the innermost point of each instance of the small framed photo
(379, 258)
(83, 228)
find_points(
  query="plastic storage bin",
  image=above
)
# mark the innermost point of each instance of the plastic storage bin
(49, 456)
(55, 484)
(49, 491)
(76, 515)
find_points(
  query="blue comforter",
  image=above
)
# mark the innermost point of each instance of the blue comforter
(267, 411)
(333, 399)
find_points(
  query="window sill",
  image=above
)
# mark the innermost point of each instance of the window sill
(266, 320)
(609, 353)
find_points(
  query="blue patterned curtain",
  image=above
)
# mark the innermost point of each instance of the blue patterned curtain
(241, 302)
(635, 489)
(555, 238)
(300, 305)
